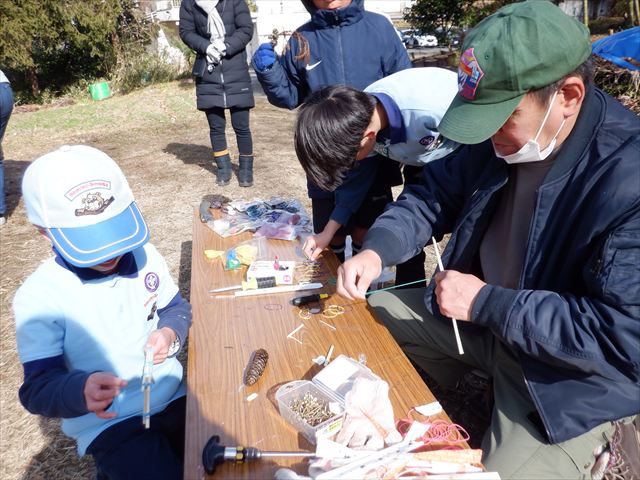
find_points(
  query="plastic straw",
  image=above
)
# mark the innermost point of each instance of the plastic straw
(455, 323)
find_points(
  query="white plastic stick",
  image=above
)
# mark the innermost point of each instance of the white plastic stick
(284, 288)
(455, 323)
(225, 289)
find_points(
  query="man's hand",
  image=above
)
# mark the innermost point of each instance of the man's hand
(314, 244)
(264, 57)
(100, 390)
(356, 274)
(160, 341)
(456, 292)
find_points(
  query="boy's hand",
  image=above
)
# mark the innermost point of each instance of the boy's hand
(160, 340)
(100, 390)
(314, 245)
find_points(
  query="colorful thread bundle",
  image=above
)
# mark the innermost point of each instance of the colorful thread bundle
(438, 431)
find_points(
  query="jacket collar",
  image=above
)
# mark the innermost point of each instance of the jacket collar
(395, 131)
(585, 128)
(127, 266)
(335, 18)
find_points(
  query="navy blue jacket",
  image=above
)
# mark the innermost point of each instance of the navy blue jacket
(347, 46)
(574, 320)
(341, 43)
(228, 84)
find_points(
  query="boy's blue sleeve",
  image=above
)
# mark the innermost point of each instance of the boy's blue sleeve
(350, 195)
(177, 316)
(282, 83)
(50, 389)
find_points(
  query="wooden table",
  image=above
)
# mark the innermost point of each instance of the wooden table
(226, 331)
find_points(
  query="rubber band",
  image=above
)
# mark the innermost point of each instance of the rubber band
(345, 307)
(439, 431)
(304, 314)
(273, 306)
(332, 311)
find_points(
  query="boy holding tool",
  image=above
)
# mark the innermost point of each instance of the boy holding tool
(339, 126)
(86, 315)
(541, 269)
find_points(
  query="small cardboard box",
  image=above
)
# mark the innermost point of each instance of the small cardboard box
(282, 271)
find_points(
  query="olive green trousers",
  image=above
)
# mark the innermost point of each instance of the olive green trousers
(513, 445)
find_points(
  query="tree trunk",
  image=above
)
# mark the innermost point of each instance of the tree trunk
(637, 4)
(585, 12)
(33, 81)
(632, 14)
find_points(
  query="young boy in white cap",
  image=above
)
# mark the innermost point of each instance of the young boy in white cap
(340, 126)
(85, 317)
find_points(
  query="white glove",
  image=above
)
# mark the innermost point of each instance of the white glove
(220, 46)
(213, 55)
(369, 422)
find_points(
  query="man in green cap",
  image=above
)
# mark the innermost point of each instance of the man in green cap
(541, 269)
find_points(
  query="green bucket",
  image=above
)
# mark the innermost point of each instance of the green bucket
(99, 90)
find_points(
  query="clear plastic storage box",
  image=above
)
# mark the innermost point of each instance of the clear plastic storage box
(329, 387)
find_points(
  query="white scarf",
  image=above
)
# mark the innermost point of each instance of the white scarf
(215, 25)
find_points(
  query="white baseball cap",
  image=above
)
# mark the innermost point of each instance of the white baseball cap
(79, 195)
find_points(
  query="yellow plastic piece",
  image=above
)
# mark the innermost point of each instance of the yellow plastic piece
(250, 284)
(211, 254)
(246, 253)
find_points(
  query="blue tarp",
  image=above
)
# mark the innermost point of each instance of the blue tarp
(620, 46)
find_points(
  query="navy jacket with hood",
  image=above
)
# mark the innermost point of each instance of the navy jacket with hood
(346, 46)
(574, 320)
(340, 44)
(228, 84)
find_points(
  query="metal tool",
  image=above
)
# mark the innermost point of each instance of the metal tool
(298, 301)
(214, 454)
(205, 213)
(147, 381)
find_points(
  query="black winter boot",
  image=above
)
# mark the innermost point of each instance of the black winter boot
(245, 172)
(223, 175)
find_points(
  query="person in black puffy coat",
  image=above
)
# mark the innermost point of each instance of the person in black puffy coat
(219, 31)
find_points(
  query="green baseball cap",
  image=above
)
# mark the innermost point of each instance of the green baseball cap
(523, 46)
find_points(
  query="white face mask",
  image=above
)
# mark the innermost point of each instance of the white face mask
(530, 151)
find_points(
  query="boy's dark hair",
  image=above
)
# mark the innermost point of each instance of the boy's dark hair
(328, 131)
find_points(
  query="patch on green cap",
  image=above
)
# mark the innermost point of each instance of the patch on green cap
(523, 46)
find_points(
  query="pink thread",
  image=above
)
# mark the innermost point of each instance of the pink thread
(439, 431)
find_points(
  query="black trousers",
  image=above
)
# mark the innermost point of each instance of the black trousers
(128, 450)
(240, 124)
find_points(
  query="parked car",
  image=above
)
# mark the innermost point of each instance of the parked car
(413, 38)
